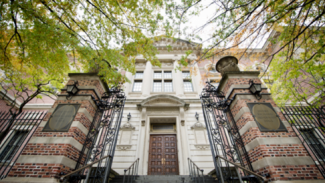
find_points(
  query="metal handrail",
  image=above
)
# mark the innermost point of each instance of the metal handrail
(134, 169)
(82, 168)
(195, 172)
(264, 180)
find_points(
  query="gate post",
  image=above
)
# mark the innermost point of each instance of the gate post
(55, 146)
(273, 148)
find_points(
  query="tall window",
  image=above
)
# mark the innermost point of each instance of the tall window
(314, 142)
(137, 84)
(188, 87)
(13, 145)
(162, 81)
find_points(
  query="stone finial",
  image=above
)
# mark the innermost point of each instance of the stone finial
(228, 63)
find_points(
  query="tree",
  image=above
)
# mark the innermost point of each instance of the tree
(41, 41)
(299, 47)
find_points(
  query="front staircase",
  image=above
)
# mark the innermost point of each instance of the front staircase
(162, 179)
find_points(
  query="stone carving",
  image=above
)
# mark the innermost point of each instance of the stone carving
(198, 125)
(202, 146)
(227, 64)
(162, 120)
(166, 64)
(163, 112)
(123, 147)
(162, 102)
(140, 64)
(127, 126)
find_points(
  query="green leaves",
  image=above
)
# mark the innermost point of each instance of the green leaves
(45, 40)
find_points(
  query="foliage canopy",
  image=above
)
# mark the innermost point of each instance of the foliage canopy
(297, 29)
(43, 40)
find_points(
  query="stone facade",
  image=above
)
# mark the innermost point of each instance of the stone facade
(279, 154)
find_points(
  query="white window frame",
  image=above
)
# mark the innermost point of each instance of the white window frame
(163, 80)
(187, 79)
(137, 80)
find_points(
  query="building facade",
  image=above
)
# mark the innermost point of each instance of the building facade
(163, 122)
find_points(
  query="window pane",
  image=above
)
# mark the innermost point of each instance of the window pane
(157, 86)
(186, 74)
(168, 86)
(139, 75)
(167, 74)
(137, 86)
(157, 74)
(188, 86)
(314, 142)
(15, 142)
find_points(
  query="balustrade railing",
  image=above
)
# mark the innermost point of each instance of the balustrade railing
(250, 175)
(196, 173)
(131, 173)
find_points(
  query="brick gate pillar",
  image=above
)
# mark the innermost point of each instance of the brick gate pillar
(271, 150)
(57, 142)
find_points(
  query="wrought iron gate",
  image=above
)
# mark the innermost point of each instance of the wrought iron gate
(223, 133)
(101, 140)
(309, 125)
(18, 130)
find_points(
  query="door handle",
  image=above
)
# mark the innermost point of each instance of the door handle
(162, 161)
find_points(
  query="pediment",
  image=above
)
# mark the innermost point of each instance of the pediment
(176, 43)
(163, 101)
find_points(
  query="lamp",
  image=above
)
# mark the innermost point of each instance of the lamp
(129, 116)
(197, 116)
(72, 89)
(255, 88)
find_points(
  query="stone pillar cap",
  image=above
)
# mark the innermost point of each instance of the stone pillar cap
(228, 63)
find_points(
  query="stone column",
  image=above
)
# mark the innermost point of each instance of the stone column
(128, 86)
(278, 153)
(184, 141)
(147, 80)
(141, 142)
(178, 80)
(51, 150)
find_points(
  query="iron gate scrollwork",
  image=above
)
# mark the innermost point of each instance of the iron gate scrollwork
(101, 140)
(309, 125)
(224, 136)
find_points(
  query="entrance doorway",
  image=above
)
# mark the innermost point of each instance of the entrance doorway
(163, 155)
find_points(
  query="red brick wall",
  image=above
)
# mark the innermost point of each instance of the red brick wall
(281, 172)
(45, 170)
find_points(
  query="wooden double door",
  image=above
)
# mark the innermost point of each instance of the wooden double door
(163, 155)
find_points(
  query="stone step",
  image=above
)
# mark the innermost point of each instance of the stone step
(162, 179)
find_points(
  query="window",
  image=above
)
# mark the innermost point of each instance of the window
(137, 85)
(168, 74)
(188, 87)
(157, 86)
(162, 81)
(168, 86)
(139, 75)
(157, 74)
(186, 74)
(314, 143)
(13, 145)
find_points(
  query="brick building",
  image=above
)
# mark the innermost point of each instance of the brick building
(165, 121)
